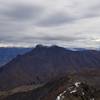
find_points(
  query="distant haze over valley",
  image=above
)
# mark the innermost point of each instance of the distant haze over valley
(8, 53)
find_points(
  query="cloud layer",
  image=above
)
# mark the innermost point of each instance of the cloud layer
(70, 23)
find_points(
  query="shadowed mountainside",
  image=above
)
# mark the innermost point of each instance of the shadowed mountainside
(44, 63)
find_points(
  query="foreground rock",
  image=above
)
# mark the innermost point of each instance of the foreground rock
(60, 89)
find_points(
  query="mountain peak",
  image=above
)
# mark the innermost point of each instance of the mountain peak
(44, 46)
(39, 46)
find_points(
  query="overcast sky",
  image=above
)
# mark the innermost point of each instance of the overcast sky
(69, 23)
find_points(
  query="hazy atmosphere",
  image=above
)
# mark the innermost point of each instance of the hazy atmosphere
(69, 23)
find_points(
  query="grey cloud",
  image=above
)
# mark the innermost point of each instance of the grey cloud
(23, 12)
(91, 14)
(62, 38)
(93, 11)
(14, 18)
(54, 38)
(55, 20)
(8, 38)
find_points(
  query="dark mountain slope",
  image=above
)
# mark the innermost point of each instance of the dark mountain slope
(54, 88)
(44, 63)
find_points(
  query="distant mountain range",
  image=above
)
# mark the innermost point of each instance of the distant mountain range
(7, 54)
(44, 63)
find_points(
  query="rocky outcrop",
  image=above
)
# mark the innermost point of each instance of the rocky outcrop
(78, 91)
